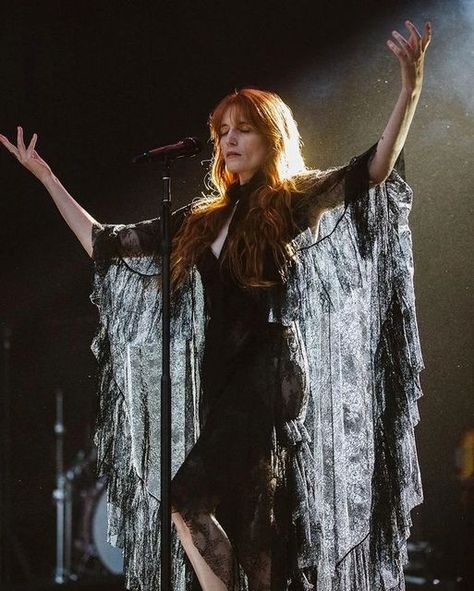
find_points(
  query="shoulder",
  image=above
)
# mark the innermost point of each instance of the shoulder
(145, 235)
(312, 185)
(316, 180)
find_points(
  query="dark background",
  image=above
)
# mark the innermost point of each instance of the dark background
(102, 81)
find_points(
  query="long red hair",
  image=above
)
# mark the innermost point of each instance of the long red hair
(266, 228)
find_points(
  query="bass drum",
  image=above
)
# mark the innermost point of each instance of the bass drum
(110, 556)
(91, 553)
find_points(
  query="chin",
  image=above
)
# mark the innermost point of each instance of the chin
(235, 169)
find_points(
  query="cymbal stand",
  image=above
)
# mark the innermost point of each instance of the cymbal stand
(62, 496)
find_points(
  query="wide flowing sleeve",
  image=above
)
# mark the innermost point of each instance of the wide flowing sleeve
(127, 347)
(142, 239)
(353, 294)
(327, 191)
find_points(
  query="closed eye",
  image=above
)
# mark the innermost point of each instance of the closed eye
(241, 129)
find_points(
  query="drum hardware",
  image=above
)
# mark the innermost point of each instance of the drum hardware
(92, 555)
(62, 498)
(81, 515)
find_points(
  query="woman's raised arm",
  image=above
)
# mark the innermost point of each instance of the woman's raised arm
(411, 55)
(75, 216)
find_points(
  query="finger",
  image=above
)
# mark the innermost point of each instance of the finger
(415, 38)
(411, 27)
(405, 46)
(427, 36)
(9, 146)
(20, 143)
(37, 157)
(396, 50)
(31, 147)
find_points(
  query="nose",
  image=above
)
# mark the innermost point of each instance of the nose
(231, 137)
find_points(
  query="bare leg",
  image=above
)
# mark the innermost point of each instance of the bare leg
(213, 544)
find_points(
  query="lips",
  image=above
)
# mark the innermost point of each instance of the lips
(229, 154)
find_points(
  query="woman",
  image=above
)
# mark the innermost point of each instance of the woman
(285, 474)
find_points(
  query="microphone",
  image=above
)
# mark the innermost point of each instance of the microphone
(189, 146)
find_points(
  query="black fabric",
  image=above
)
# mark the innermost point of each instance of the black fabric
(254, 387)
(292, 519)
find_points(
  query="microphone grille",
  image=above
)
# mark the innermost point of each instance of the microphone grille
(194, 144)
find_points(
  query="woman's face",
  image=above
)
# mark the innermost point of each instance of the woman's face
(243, 147)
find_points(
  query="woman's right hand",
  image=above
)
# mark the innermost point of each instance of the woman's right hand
(77, 218)
(28, 156)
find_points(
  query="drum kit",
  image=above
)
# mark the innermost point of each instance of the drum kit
(82, 549)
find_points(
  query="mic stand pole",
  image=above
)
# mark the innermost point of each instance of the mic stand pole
(165, 431)
(187, 147)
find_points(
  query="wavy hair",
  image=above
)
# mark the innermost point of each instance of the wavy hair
(266, 227)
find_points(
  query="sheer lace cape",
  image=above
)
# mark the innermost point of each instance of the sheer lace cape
(352, 295)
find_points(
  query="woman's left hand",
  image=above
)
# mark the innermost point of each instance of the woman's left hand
(411, 55)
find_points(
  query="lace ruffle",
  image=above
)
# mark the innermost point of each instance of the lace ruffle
(349, 466)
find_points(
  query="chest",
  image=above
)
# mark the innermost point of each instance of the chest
(219, 242)
(217, 245)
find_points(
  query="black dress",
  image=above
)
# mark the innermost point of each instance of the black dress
(293, 407)
(254, 390)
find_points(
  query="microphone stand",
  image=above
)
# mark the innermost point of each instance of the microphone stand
(167, 155)
(165, 431)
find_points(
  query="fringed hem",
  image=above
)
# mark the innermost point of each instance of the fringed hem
(305, 519)
(397, 485)
(396, 482)
(353, 572)
(133, 512)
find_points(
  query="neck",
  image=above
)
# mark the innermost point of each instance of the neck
(256, 177)
(244, 180)
(239, 190)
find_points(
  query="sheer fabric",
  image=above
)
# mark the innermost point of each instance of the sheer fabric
(293, 410)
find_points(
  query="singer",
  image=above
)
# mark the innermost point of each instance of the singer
(295, 359)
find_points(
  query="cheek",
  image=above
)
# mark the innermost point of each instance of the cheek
(262, 153)
(257, 150)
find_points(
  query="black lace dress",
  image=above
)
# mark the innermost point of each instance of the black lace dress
(254, 390)
(293, 407)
